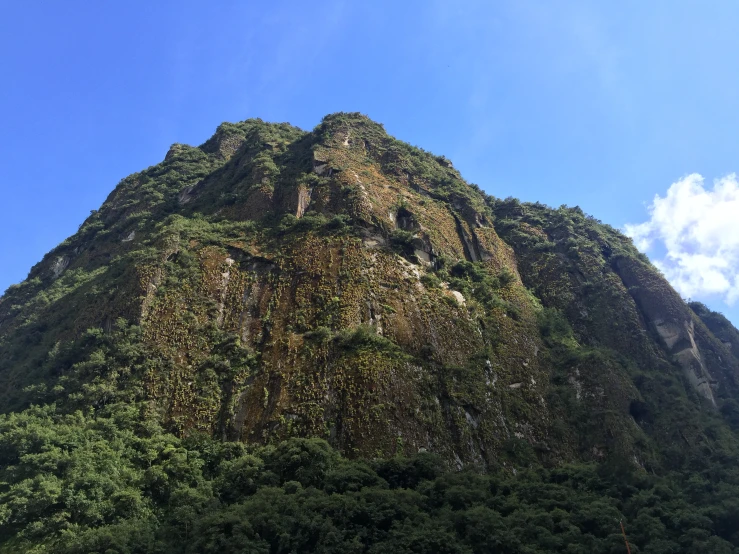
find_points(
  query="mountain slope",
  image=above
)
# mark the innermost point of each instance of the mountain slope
(342, 284)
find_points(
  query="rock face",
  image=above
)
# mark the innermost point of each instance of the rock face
(343, 284)
(674, 323)
(680, 341)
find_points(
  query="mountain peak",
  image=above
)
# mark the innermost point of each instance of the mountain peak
(341, 283)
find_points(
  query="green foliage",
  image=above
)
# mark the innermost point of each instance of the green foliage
(63, 472)
(430, 280)
(402, 241)
(205, 231)
(114, 482)
(312, 222)
(556, 330)
(475, 280)
(365, 337)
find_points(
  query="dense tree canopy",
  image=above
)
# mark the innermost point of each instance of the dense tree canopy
(110, 481)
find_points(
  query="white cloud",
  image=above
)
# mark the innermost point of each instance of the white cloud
(699, 230)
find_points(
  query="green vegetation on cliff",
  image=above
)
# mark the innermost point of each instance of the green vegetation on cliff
(274, 285)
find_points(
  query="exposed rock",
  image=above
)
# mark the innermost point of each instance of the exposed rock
(423, 256)
(673, 322)
(59, 266)
(458, 296)
(304, 195)
(320, 163)
(184, 197)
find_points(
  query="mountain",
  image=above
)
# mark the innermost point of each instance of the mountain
(274, 284)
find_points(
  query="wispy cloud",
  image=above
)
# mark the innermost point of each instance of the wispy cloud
(699, 230)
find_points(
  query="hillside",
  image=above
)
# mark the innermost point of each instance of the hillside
(274, 285)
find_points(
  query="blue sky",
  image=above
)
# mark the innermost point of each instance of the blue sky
(598, 104)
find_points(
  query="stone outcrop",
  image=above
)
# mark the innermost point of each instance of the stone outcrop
(672, 320)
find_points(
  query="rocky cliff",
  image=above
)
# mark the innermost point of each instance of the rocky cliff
(342, 284)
